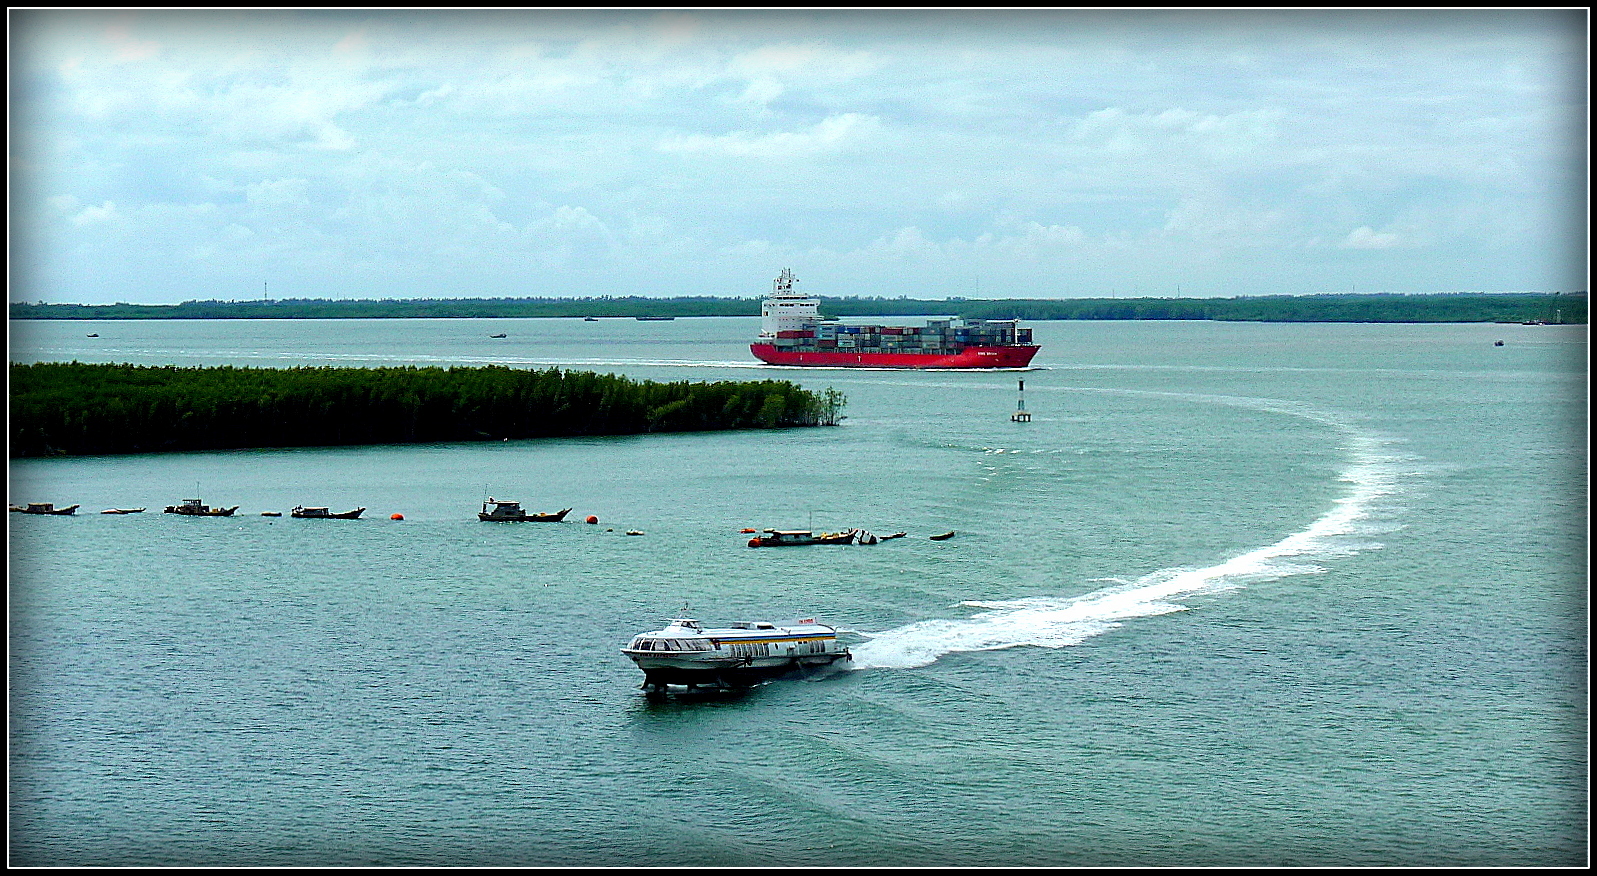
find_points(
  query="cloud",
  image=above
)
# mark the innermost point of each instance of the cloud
(832, 134)
(94, 215)
(1365, 237)
(418, 150)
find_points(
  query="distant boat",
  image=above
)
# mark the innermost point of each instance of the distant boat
(589, 319)
(500, 335)
(510, 512)
(123, 511)
(94, 335)
(943, 537)
(655, 318)
(43, 508)
(196, 508)
(786, 537)
(324, 514)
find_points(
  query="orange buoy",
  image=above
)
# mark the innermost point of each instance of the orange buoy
(592, 519)
(396, 517)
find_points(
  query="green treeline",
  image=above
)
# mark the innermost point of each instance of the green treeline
(1452, 307)
(74, 408)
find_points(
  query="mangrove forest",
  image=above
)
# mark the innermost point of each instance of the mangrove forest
(1449, 307)
(81, 409)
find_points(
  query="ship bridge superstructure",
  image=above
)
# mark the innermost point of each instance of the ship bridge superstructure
(787, 310)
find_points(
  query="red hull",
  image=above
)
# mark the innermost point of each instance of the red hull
(970, 357)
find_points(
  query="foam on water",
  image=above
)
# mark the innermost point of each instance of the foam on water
(1371, 473)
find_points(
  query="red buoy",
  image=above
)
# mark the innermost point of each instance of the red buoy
(396, 517)
(592, 519)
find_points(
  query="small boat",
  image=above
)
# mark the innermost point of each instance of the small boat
(942, 537)
(634, 532)
(590, 319)
(196, 508)
(785, 537)
(500, 335)
(44, 508)
(655, 318)
(893, 536)
(1497, 343)
(123, 511)
(93, 335)
(511, 512)
(324, 514)
(271, 514)
(685, 652)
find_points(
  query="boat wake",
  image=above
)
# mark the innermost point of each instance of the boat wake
(1349, 527)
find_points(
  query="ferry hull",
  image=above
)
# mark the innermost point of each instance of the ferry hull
(970, 357)
(727, 672)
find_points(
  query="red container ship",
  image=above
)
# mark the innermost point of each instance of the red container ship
(792, 332)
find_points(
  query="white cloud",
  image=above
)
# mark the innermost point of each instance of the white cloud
(831, 134)
(95, 215)
(1365, 237)
(428, 147)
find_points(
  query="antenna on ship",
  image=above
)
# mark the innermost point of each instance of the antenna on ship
(1020, 415)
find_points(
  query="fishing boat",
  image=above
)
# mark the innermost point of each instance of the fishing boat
(314, 513)
(785, 537)
(945, 536)
(123, 511)
(43, 508)
(686, 652)
(196, 508)
(500, 335)
(792, 332)
(511, 512)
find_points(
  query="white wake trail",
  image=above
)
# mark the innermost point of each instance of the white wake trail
(1371, 473)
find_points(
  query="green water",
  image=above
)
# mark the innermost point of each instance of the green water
(1237, 594)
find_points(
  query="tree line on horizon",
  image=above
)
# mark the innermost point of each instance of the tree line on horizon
(91, 409)
(1373, 307)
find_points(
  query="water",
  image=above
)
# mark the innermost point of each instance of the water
(1238, 594)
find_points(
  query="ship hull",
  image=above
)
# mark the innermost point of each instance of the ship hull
(724, 672)
(968, 358)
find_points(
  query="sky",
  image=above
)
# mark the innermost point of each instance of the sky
(166, 156)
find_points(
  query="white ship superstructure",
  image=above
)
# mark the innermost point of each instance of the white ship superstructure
(686, 652)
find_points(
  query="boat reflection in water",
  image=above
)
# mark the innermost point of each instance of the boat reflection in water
(732, 657)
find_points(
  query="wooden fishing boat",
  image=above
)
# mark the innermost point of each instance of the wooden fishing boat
(196, 508)
(123, 511)
(943, 536)
(786, 537)
(321, 513)
(43, 508)
(511, 512)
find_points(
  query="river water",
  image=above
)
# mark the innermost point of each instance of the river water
(1238, 594)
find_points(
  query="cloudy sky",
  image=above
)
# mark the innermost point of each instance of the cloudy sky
(158, 157)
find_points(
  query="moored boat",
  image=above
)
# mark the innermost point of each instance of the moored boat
(324, 514)
(511, 512)
(792, 332)
(686, 652)
(196, 508)
(44, 508)
(123, 511)
(785, 537)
